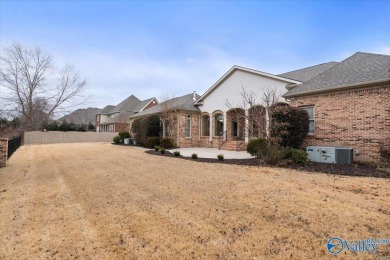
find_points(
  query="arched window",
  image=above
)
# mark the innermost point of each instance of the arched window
(218, 124)
(205, 124)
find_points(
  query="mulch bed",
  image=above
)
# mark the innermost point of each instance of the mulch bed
(356, 169)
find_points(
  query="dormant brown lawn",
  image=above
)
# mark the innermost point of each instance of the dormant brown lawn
(104, 201)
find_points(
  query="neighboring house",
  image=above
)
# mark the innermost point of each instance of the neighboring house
(116, 118)
(348, 104)
(82, 116)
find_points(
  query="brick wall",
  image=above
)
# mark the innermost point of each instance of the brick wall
(3, 151)
(192, 141)
(358, 118)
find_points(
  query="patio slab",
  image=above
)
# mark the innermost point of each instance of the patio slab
(203, 152)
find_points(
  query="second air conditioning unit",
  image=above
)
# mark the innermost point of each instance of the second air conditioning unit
(329, 154)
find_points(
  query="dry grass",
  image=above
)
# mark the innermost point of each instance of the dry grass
(103, 201)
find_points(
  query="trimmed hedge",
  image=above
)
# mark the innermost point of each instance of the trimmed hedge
(167, 143)
(298, 156)
(124, 135)
(116, 139)
(152, 141)
(257, 147)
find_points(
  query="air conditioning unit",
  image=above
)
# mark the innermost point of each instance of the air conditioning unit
(326, 154)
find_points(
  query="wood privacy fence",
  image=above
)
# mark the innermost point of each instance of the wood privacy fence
(52, 137)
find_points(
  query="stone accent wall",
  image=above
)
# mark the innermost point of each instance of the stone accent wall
(358, 118)
(3, 151)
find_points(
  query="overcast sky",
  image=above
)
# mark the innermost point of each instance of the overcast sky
(150, 48)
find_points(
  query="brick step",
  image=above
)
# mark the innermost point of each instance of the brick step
(232, 146)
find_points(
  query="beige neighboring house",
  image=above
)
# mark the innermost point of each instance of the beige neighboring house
(116, 118)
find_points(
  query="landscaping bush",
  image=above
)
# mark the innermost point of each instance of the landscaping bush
(124, 135)
(152, 141)
(162, 150)
(116, 139)
(156, 148)
(167, 143)
(298, 156)
(176, 153)
(257, 147)
(194, 156)
(385, 152)
(275, 153)
(220, 157)
(291, 126)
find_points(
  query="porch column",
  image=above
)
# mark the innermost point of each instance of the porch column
(246, 127)
(211, 128)
(164, 130)
(224, 125)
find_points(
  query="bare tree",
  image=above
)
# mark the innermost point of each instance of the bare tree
(260, 113)
(167, 115)
(34, 88)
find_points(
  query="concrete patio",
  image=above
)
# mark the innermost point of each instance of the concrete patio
(203, 152)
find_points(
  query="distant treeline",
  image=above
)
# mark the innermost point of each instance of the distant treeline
(65, 126)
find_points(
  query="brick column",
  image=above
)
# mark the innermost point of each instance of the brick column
(3, 151)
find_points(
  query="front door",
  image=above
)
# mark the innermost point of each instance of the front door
(234, 129)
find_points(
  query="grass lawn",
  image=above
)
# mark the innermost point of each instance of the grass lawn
(103, 201)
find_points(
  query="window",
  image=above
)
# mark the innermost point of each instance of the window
(310, 111)
(187, 126)
(205, 125)
(218, 126)
(111, 128)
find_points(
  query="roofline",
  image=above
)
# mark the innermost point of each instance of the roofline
(339, 87)
(176, 109)
(153, 98)
(235, 67)
(308, 67)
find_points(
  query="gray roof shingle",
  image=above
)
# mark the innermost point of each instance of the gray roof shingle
(308, 73)
(358, 69)
(126, 105)
(142, 104)
(81, 116)
(107, 109)
(185, 102)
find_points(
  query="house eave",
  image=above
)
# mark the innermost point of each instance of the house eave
(338, 88)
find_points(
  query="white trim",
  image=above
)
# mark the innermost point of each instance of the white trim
(234, 68)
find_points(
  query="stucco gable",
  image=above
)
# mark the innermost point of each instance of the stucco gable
(246, 70)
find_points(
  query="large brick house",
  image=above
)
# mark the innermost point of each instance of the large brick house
(348, 104)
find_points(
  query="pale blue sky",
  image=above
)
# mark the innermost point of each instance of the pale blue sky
(149, 48)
